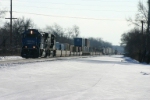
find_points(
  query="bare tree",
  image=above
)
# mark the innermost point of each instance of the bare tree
(134, 43)
(70, 33)
(19, 26)
(76, 31)
(99, 43)
(139, 43)
(142, 15)
(3, 37)
(2, 13)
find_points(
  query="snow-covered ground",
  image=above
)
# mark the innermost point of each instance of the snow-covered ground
(5, 58)
(93, 78)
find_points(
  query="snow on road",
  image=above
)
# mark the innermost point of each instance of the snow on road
(93, 78)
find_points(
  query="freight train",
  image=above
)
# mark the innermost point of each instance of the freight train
(40, 44)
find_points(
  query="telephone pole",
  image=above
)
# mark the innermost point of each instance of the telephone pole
(148, 24)
(148, 16)
(145, 55)
(142, 25)
(143, 44)
(10, 22)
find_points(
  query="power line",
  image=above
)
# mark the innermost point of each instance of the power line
(84, 5)
(69, 16)
(76, 9)
(67, 3)
(82, 0)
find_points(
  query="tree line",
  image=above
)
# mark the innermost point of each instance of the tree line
(19, 25)
(136, 41)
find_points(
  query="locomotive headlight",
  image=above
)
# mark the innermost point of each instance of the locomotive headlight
(34, 47)
(26, 47)
(31, 32)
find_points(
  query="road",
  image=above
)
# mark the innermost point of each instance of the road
(91, 78)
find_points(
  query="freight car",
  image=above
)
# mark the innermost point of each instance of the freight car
(37, 44)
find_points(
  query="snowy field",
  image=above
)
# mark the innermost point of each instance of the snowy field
(92, 78)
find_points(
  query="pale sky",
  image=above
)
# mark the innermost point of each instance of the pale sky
(104, 19)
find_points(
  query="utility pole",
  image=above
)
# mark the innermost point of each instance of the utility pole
(142, 25)
(145, 56)
(148, 24)
(143, 44)
(10, 22)
(148, 16)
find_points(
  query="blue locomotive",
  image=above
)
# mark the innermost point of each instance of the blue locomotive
(37, 44)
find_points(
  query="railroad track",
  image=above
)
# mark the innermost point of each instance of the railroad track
(11, 62)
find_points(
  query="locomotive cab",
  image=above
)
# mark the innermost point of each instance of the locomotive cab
(30, 43)
(37, 44)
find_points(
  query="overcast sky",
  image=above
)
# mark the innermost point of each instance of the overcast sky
(104, 19)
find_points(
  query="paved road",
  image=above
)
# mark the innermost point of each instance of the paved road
(92, 78)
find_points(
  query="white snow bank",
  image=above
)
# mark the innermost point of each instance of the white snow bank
(4, 58)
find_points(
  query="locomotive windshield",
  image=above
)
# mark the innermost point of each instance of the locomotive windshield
(29, 35)
(32, 34)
